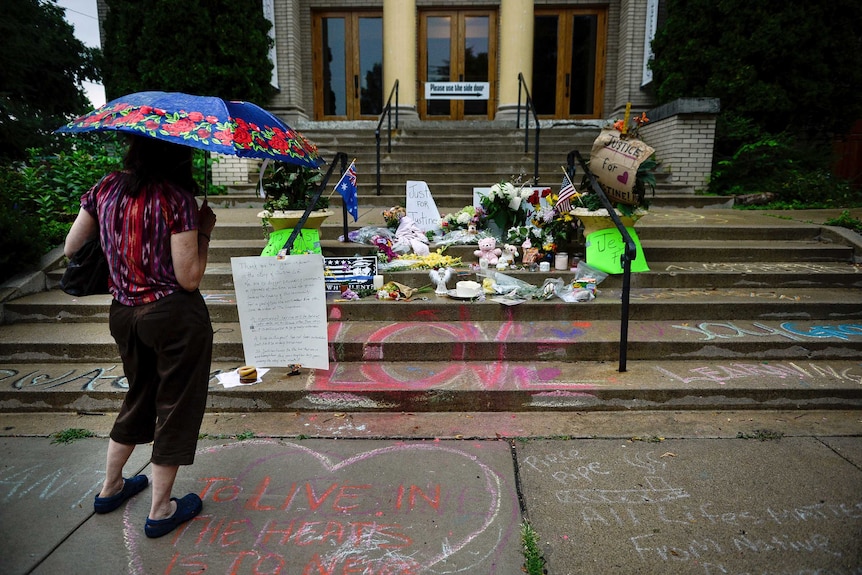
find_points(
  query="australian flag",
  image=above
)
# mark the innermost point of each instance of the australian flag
(346, 186)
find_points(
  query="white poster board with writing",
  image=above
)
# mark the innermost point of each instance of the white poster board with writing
(421, 206)
(282, 310)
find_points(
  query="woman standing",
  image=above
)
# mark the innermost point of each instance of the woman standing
(156, 240)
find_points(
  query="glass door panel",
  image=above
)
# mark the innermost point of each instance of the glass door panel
(583, 66)
(476, 46)
(370, 75)
(545, 57)
(438, 67)
(334, 67)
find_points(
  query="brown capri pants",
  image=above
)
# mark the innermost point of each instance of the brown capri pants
(166, 348)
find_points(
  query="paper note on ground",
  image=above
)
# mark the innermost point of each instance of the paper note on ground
(421, 206)
(282, 310)
(605, 247)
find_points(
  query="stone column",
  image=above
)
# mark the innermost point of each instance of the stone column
(399, 55)
(516, 55)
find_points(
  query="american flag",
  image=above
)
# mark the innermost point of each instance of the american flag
(567, 192)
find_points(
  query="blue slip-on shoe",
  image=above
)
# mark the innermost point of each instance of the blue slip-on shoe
(187, 508)
(131, 487)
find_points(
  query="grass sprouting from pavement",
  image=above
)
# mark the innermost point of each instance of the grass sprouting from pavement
(760, 434)
(534, 563)
(72, 434)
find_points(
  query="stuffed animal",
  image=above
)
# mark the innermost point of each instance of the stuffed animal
(488, 251)
(510, 252)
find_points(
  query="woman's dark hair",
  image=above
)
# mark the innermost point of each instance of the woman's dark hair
(151, 161)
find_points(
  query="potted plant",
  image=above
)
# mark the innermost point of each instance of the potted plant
(289, 189)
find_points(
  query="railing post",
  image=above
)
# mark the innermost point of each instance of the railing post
(522, 84)
(628, 255)
(386, 113)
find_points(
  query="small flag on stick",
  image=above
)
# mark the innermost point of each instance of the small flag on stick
(346, 186)
(567, 192)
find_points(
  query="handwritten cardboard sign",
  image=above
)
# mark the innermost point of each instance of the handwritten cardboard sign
(605, 247)
(615, 162)
(282, 310)
(421, 206)
(306, 242)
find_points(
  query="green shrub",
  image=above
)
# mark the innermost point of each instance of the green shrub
(21, 239)
(793, 174)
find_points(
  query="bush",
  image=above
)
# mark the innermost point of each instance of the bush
(793, 175)
(21, 240)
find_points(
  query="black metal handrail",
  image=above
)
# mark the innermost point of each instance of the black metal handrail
(288, 245)
(628, 255)
(522, 86)
(386, 114)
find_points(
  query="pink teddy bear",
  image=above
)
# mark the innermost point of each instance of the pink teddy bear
(488, 251)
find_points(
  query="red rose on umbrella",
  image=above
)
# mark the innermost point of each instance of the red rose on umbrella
(279, 143)
(241, 136)
(222, 136)
(196, 117)
(212, 119)
(181, 126)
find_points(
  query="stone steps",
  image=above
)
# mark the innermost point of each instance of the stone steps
(534, 385)
(412, 340)
(739, 310)
(646, 304)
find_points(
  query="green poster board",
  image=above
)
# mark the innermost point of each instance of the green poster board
(307, 242)
(606, 247)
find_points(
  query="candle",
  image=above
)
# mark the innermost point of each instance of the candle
(378, 282)
(561, 261)
(626, 118)
(544, 266)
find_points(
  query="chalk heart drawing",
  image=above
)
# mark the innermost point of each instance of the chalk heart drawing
(296, 510)
(623, 178)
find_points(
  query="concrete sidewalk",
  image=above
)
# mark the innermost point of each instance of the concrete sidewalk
(685, 492)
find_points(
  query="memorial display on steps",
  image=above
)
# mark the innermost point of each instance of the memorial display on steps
(518, 227)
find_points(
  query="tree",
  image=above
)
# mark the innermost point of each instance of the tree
(42, 65)
(208, 47)
(776, 66)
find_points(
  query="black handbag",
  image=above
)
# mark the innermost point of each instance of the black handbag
(87, 271)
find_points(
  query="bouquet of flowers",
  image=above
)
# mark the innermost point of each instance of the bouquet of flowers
(503, 205)
(545, 227)
(463, 219)
(393, 216)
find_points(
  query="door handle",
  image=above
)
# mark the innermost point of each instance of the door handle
(568, 80)
(355, 85)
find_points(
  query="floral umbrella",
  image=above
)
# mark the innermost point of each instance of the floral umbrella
(234, 128)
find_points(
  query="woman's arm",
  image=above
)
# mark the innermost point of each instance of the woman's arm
(84, 228)
(190, 250)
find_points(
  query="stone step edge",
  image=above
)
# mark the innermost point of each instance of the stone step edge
(471, 386)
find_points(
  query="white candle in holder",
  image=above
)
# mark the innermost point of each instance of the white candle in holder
(378, 282)
(561, 261)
